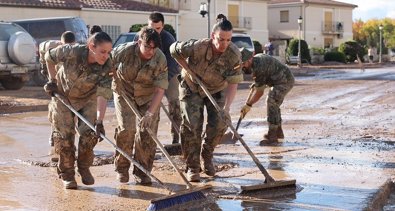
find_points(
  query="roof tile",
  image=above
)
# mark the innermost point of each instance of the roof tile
(95, 4)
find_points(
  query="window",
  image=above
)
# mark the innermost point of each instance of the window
(284, 16)
(112, 31)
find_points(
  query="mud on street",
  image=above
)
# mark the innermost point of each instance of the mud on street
(339, 146)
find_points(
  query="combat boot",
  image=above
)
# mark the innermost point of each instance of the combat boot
(280, 133)
(271, 136)
(143, 180)
(69, 180)
(208, 162)
(193, 176)
(123, 176)
(86, 176)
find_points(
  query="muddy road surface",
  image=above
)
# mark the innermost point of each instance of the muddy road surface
(339, 146)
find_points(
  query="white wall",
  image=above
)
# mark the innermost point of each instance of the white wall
(313, 17)
(259, 14)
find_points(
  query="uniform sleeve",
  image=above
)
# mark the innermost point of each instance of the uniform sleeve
(182, 50)
(234, 75)
(160, 78)
(118, 55)
(59, 54)
(104, 86)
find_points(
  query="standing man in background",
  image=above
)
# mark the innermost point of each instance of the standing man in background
(157, 22)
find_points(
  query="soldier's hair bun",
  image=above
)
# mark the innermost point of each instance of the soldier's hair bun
(221, 17)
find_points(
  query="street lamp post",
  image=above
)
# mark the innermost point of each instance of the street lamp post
(203, 10)
(300, 21)
(381, 42)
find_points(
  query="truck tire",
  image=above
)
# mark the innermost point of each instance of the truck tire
(21, 48)
(12, 83)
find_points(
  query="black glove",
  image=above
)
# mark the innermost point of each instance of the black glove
(99, 128)
(51, 88)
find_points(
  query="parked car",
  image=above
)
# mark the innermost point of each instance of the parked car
(125, 37)
(243, 40)
(43, 29)
(18, 56)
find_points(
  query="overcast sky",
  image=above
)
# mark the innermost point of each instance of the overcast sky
(369, 9)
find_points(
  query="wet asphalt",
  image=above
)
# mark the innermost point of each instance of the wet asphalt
(339, 146)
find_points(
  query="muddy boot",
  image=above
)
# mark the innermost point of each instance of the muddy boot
(85, 158)
(271, 136)
(68, 180)
(143, 180)
(54, 155)
(280, 133)
(123, 176)
(208, 166)
(193, 175)
(86, 176)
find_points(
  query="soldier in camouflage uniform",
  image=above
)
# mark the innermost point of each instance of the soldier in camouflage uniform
(142, 76)
(67, 37)
(216, 61)
(268, 72)
(84, 81)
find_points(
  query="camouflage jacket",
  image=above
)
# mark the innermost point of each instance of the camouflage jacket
(215, 73)
(77, 79)
(268, 71)
(137, 77)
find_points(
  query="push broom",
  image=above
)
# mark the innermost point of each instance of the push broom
(269, 181)
(188, 195)
(156, 204)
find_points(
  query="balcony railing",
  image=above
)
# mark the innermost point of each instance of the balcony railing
(241, 22)
(332, 27)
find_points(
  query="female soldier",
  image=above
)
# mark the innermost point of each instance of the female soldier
(216, 61)
(83, 81)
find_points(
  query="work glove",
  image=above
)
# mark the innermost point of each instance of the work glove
(99, 128)
(146, 121)
(243, 112)
(51, 88)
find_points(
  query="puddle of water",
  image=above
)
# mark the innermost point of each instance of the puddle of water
(312, 197)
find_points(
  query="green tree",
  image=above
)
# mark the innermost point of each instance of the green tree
(351, 49)
(368, 33)
(304, 49)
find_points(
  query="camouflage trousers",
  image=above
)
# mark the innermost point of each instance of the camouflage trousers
(63, 133)
(128, 135)
(274, 100)
(174, 107)
(192, 109)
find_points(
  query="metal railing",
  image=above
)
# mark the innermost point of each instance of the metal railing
(241, 22)
(332, 27)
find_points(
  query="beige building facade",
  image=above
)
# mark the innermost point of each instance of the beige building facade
(247, 16)
(325, 23)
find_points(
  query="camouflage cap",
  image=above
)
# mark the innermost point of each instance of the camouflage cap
(245, 54)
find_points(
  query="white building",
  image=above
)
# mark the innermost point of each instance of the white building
(325, 23)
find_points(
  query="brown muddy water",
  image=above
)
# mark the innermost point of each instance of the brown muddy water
(339, 147)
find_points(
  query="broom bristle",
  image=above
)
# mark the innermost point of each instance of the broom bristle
(176, 200)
